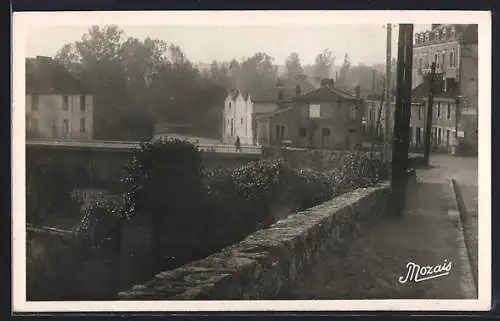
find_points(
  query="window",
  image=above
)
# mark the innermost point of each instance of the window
(82, 103)
(35, 101)
(302, 132)
(65, 126)
(280, 131)
(314, 111)
(452, 58)
(443, 62)
(232, 127)
(34, 126)
(449, 111)
(447, 137)
(82, 125)
(65, 103)
(420, 62)
(419, 112)
(229, 105)
(438, 109)
(241, 121)
(418, 136)
(439, 136)
(410, 135)
(352, 113)
(325, 132)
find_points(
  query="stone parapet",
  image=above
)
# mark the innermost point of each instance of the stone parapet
(267, 263)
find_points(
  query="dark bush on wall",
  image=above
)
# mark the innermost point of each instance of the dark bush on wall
(164, 179)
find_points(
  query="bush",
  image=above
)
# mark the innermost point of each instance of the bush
(164, 179)
(241, 201)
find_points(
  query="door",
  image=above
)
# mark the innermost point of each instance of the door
(326, 134)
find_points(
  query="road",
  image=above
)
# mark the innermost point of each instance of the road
(369, 268)
(465, 171)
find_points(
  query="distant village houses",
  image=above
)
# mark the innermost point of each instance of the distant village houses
(325, 118)
(242, 109)
(296, 114)
(57, 104)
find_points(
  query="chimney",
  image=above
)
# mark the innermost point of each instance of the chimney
(298, 91)
(327, 82)
(357, 90)
(281, 91)
(373, 81)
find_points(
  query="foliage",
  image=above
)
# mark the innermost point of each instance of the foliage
(323, 64)
(136, 127)
(293, 66)
(164, 179)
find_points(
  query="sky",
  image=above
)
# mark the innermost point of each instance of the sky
(365, 44)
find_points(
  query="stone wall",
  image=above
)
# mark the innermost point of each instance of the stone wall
(266, 264)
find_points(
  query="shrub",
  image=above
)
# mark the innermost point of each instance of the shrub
(240, 201)
(164, 179)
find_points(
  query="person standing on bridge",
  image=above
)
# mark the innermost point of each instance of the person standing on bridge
(237, 144)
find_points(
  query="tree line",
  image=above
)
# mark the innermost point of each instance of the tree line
(153, 78)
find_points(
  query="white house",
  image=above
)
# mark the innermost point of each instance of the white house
(237, 119)
(57, 104)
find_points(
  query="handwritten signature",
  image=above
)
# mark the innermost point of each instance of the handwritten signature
(417, 273)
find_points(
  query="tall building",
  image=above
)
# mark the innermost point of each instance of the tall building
(454, 49)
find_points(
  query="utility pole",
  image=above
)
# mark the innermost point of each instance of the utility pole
(388, 114)
(401, 119)
(428, 121)
(407, 88)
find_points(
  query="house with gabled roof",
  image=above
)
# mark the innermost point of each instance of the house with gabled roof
(325, 118)
(243, 108)
(58, 105)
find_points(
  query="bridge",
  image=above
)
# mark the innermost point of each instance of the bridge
(102, 161)
(131, 145)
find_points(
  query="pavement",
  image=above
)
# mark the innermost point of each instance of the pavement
(426, 235)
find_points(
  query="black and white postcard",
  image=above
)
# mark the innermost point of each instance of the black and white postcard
(251, 161)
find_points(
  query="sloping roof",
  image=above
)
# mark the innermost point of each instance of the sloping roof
(326, 94)
(289, 87)
(276, 112)
(422, 91)
(46, 76)
(234, 93)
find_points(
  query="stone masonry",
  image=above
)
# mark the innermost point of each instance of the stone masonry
(267, 263)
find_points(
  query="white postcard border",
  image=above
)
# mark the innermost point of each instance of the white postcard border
(23, 21)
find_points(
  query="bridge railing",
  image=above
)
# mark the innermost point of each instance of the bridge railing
(228, 148)
(217, 148)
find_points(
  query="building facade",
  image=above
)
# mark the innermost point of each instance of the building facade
(454, 49)
(326, 118)
(237, 118)
(242, 109)
(57, 104)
